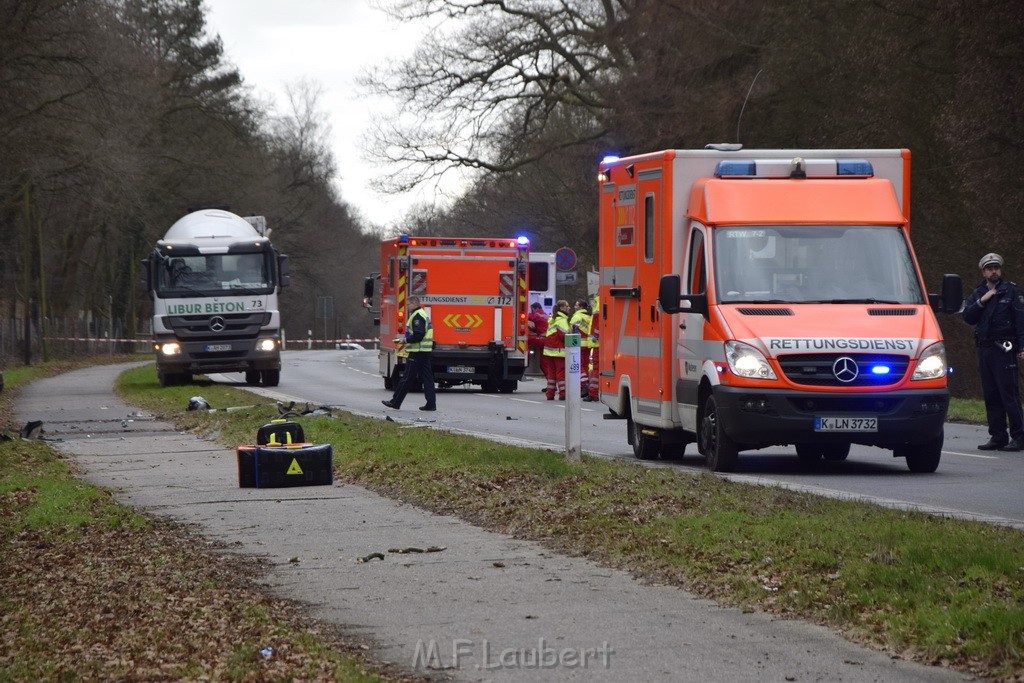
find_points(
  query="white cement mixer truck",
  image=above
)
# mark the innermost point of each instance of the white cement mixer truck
(214, 280)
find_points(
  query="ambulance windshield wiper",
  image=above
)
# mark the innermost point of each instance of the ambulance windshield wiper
(853, 301)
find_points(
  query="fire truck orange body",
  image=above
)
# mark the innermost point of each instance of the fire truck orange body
(753, 298)
(475, 290)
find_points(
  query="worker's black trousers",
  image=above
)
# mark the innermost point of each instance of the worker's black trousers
(999, 383)
(418, 364)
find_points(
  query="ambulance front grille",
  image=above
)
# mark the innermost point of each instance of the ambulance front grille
(819, 369)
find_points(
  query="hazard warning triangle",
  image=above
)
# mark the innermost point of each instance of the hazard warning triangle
(294, 467)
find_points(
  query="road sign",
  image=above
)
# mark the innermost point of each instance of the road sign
(565, 259)
(566, 278)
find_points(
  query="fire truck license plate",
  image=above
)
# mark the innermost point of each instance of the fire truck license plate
(460, 370)
(218, 347)
(846, 424)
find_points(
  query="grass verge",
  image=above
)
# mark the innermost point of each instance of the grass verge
(92, 590)
(939, 591)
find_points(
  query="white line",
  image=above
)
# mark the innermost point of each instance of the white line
(972, 455)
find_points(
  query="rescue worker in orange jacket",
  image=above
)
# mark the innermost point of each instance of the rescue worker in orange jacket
(553, 361)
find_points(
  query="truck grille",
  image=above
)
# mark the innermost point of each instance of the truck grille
(197, 327)
(820, 369)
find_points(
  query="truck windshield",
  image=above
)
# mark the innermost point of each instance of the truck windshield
(815, 263)
(213, 275)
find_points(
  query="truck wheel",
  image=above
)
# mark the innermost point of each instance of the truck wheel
(508, 386)
(165, 379)
(922, 458)
(720, 452)
(271, 378)
(252, 376)
(645, 447)
(489, 386)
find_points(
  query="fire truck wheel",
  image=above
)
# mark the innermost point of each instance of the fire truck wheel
(508, 386)
(720, 452)
(252, 376)
(271, 378)
(922, 458)
(645, 447)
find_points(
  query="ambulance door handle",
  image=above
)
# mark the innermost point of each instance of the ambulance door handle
(654, 313)
(682, 325)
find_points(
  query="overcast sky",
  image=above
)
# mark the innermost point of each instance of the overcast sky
(278, 42)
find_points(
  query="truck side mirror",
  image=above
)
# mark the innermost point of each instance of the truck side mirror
(282, 269)
(146, 266)
(952, 293)
(671, 300)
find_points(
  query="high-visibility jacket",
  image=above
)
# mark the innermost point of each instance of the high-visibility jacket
(558, 327)
(422, 330)
(595, 330)
(581, 323)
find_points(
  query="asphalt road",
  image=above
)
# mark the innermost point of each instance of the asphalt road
(969, 483)
(486, 607)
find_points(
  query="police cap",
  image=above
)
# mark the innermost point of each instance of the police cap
(990, 259)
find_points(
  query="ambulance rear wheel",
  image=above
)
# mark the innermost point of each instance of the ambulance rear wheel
(923, 458)
(507, 386)
(645, 447)
(720, 451)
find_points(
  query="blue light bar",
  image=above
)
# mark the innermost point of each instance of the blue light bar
(880, 369)
(403, 239)
(609, 158)
(523, 240)
(858, 167)
(735, 168)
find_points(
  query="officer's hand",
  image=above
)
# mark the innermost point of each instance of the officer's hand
(987, 295)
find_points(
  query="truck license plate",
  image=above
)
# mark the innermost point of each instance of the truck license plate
(460, 370)
(218, 347)
(846, 424)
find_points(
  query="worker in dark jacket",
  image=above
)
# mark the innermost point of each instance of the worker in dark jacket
(419, 343)
(996, 309)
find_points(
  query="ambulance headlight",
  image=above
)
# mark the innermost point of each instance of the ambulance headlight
(932, 363)
(266, 345)
(170, 349)
(746, 361)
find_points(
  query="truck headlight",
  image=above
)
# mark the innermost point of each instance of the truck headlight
(170, 349)
(266, 345)
(932, 363)
(746, 361)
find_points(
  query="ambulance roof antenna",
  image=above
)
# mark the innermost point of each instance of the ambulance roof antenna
(745, 103)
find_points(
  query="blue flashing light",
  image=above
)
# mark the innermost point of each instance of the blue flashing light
(523, 240)
(735, 168)
(858, 167)
(610, 158)
(880, 369)
(403, 239)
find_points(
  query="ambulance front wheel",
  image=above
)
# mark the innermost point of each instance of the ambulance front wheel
(720, 451)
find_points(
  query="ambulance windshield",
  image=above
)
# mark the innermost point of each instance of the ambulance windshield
(815, 263)
(213, 275)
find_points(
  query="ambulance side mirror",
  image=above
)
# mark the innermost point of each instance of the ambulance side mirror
(368, 285)
(671, 301)
(952, 296)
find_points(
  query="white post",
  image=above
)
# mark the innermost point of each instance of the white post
(309, 342)
(572, 396)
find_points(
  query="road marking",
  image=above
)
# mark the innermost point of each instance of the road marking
(973, 455)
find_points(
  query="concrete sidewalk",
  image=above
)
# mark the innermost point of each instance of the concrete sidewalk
(487, 608)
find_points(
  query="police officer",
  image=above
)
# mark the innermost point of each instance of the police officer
(996, 308)
(419, 342)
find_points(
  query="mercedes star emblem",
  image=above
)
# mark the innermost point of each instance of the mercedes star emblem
(217, 325)
(845, 369)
